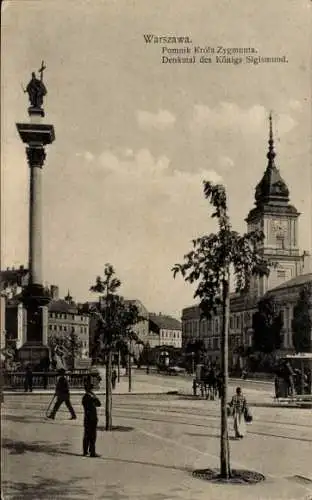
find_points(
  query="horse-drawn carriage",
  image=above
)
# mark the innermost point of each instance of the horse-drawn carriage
(207, 380)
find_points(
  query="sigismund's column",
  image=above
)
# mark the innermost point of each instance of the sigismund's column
(36, 135)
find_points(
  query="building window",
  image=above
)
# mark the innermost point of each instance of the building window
(281, 273)
(238, 322)
(280, 242)
(50, 327)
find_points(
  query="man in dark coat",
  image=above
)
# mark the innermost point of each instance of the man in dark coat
(90, 403)
(28, 383)
(62, 396)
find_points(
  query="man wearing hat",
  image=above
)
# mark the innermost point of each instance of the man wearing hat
(62, 396)
(89, 402)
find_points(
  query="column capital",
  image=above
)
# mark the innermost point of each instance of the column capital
(35, 156)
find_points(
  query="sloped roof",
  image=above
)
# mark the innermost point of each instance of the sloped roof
(62, 306)
(141, 308)
(165, 322)
(297, 281)
(272, 188)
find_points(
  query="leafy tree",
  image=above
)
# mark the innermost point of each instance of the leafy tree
(267, 324)
(210, 264)
(302, 321)
(114, 327)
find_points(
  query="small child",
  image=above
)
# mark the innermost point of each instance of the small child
(90, 402)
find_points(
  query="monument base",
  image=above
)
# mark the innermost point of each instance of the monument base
(35, 111)
(33, 353)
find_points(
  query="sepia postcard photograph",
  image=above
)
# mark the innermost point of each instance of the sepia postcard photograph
(156, 250)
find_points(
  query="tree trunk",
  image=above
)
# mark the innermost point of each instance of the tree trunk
(108, 394)
(118, 366)
(129, 370)
(224, 442)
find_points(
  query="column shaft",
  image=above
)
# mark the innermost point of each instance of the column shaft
(35, 226)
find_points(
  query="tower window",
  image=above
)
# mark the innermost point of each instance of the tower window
(280, 242)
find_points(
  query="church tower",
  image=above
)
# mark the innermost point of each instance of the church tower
(278, 219)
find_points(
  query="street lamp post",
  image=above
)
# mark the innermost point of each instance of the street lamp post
(118, 365)
(129, 365)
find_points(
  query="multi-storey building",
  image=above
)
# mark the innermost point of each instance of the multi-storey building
(165, 330)
(61, 317)
(278, 220)
(64, 318)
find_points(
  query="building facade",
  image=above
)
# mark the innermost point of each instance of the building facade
(60, 317)
(165, 330)
(278, 220)
(64, 318)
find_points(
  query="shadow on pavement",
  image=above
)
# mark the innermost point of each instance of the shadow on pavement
(22, 419)
(149, 464)
(45, 488)
(231, 438)
(21, 447)
(118, 428)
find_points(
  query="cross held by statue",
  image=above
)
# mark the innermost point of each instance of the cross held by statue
(41, 70)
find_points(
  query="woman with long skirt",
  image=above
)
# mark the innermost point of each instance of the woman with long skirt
(239, 405)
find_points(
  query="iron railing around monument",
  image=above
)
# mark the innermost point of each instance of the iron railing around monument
(13, 380)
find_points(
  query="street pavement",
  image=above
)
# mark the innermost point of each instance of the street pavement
(157, 441)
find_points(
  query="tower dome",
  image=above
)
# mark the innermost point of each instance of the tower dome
(272, 188)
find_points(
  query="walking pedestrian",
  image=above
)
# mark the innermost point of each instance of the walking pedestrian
(114, 378)
(90, 403)
(62, 396)
(219, 384)
(28, 383)
(289, 378)
(238, 405)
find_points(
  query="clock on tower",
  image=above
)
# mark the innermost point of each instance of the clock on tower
(279, 228)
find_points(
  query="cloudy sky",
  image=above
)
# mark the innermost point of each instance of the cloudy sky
(135, 137)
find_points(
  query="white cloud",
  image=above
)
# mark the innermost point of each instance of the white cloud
(228, 115)
(86, 155)
(226, 162)
(138, 213)
(161, 120)
(128, 152)
(294, 104)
